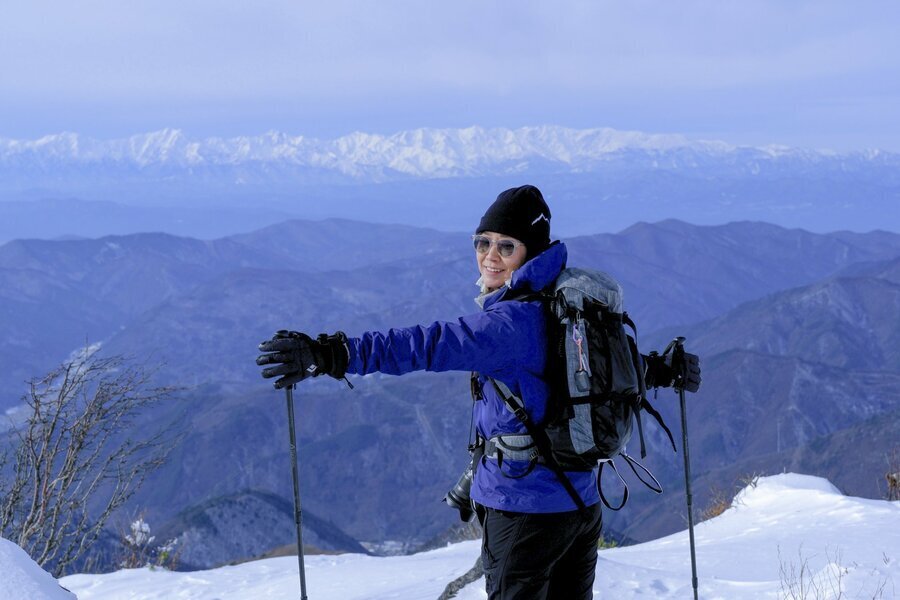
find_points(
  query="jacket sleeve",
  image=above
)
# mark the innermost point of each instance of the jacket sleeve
(507, 335)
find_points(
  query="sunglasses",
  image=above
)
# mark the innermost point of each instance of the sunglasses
(505, 247)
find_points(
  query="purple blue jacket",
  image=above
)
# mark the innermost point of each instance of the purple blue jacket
(507, 340)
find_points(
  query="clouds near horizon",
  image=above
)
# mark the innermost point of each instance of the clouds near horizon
(823, 74)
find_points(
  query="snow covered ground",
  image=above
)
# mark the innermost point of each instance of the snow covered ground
(785, 527)
(21, 578)
(786, 521)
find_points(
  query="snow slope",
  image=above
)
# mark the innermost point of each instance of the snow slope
(787, 522)
(344, 577)
(22, 579)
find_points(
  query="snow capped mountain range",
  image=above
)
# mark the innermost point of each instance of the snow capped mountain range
(602, 175)
(419, 153)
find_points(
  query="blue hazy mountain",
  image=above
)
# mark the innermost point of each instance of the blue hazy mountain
(803, 379)
(779, 315)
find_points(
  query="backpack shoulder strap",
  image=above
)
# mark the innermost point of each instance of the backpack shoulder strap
(540, 439)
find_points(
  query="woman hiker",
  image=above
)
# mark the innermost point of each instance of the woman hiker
(537, 544)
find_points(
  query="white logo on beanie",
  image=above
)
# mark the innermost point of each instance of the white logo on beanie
(541, 216)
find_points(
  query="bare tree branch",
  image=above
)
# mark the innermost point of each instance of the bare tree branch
(79, 456)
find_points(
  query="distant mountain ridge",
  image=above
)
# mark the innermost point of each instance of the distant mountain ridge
(357, 276)
(201, 308)
(245, 525)
(418, 153)
(843, 322)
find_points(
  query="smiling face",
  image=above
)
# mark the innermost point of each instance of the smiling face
(495, 268)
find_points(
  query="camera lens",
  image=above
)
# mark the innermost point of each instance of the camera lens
(458, 497)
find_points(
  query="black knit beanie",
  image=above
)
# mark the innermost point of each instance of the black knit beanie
(520, 213)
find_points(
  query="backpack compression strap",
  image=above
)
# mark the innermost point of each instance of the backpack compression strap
(642, 402)
(540, 438)
(645, 405)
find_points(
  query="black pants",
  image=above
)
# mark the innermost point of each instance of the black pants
(542, 556)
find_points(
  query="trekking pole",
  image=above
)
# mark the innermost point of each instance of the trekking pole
(678, 366)
(289, 390)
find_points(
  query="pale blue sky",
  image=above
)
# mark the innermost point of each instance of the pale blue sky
(809, 73)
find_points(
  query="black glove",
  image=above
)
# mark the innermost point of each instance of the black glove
(298, 356)
(660, 372)
(691, 373)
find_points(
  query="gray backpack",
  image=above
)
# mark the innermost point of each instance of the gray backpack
(597, 381)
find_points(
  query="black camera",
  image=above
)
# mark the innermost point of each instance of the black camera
(458, 496)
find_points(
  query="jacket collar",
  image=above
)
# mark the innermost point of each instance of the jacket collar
(533, 276)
